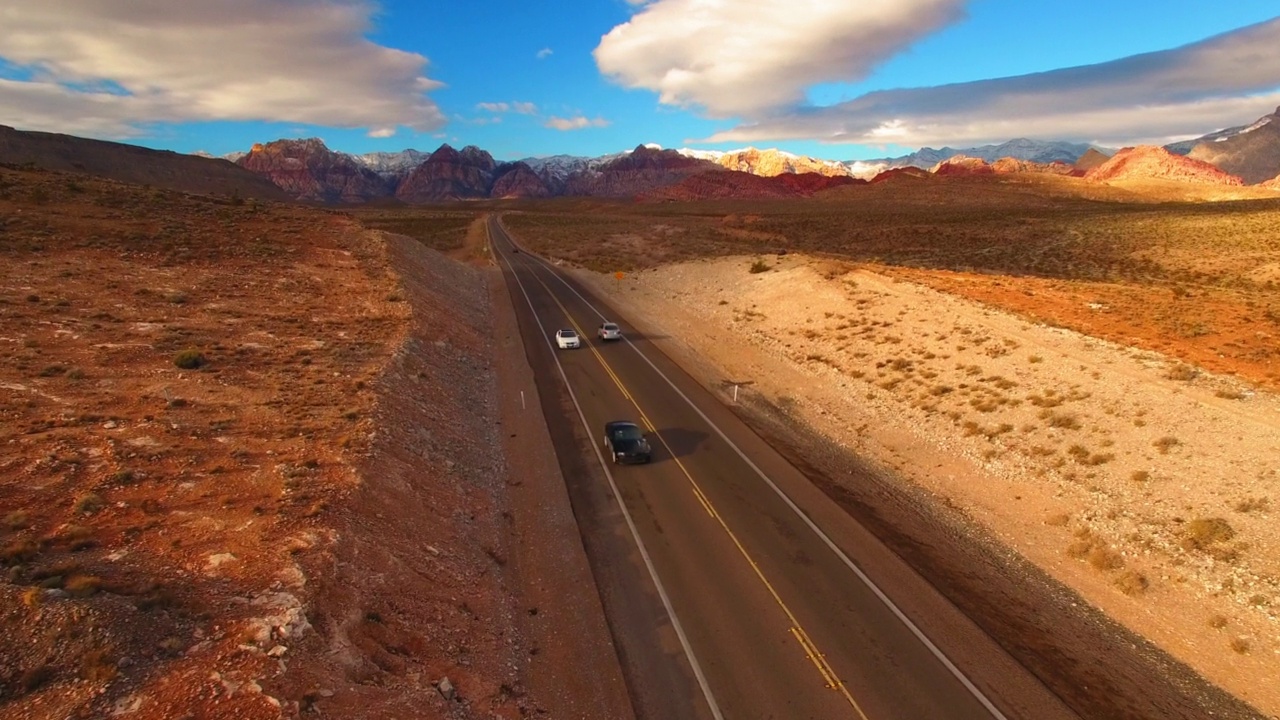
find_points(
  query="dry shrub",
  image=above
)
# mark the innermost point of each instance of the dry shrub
(1102, 557)
(97, 666)
(1202, 533)
(1218, 622)
(984, 405)
(19, 551)
(1251, 504)
(82, 585)
(89, 503)
(1065, 421)
(1184, 373)
(1241, 645)
(1058, 520)
(1079, 549)
(1132, 582)
(1166, 443)
(17, 520)
(1140, 476)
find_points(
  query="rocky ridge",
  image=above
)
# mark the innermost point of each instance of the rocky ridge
(1252, 153)
(1148, 162)
(308, 170)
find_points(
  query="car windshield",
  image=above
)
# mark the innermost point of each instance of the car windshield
(628, 432)
(610, 326)
(568, 334)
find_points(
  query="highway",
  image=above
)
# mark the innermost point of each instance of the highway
(733, 587)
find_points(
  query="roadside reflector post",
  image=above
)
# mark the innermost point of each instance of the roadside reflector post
(735, 393)
(522, 407)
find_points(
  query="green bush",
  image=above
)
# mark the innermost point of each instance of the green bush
(759, 266)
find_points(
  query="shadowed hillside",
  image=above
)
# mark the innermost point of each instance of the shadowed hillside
(133, 164)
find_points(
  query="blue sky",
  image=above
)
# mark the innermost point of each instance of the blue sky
(834, 79)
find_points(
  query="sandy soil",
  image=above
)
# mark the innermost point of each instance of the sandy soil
(1148, 486)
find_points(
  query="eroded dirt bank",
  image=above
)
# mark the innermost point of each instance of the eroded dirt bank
(455, 586)
(255, 467)
(1141, 484)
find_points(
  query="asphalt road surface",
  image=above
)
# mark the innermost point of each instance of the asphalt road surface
(733, 587)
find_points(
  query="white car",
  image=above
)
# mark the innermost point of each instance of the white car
(609, 331)
(567, 339)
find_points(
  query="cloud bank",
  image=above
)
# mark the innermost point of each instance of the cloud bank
(755, 60)
(1153, 97)
(743, 57)
(114, 67)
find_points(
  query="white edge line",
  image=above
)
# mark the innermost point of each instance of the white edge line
(635, 534)
(915, 630)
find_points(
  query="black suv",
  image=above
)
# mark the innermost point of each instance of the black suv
(625, 441)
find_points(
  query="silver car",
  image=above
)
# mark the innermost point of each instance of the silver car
(609, 331)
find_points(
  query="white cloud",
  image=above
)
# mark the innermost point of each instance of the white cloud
(574, 123)
(1156, 97)
(543, 53)
(520, 108)
(743, 57)
(112, 67)
(382, 132)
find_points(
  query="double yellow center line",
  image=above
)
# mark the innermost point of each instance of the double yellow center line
(830, 679)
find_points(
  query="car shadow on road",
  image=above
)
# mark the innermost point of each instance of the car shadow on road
(677, 442)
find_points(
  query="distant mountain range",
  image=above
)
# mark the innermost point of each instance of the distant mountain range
(310, 171)
(1035, 151)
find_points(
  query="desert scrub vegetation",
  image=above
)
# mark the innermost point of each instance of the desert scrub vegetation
(16, 520)
(189, 359)
(1132, 582)
(758, 267)
(1060, 420)
(1095, 550)
(89, 503)
(1204, 533)
(1253, 504)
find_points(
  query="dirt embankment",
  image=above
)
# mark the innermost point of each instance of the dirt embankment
(1146, 486)
(254, 465)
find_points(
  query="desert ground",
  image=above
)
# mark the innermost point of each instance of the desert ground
(249, 471)
(255, 453)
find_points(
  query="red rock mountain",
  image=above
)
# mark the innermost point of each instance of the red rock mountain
(903, 174)
(1089, 160)
(717, 185)
(963, 165)
(1148, 162)
(308, 170)
(450, 174)
(1009, 166)
(769, 163)
(1253, 155)
(518, 180)
(643, 170)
